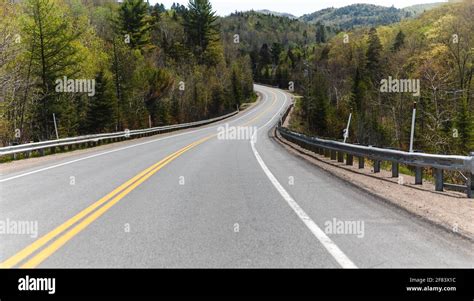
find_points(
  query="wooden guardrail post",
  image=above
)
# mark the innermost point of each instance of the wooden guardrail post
(418, 175)
(361, 162)
(340, 157)
(349, 159)
(439, 183)
(376, 166)
(394, 170)
(333, 155)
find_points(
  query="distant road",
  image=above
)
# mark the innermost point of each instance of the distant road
(192, 200)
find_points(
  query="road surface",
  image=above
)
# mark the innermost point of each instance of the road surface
(192, 199)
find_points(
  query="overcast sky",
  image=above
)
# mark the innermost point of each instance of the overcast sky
(295, 7)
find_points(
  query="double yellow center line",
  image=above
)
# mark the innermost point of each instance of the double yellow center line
(84, 218)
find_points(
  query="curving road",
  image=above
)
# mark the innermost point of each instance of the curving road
(192, 199)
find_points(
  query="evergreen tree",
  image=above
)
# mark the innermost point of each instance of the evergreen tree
(51, 51)
(135, 23)
(358, 95)
(200, 27)
(275, 52)
(159, 84)
(236, 86)
(373, 55)
(318, 105)
(320, 33)
(265, 57)
(100, 113)
(399, 41)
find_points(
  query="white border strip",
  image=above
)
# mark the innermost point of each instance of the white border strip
(123, 148)
(332, 248)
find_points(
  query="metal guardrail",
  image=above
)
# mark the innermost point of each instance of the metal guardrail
(93, 140)
(339, 151)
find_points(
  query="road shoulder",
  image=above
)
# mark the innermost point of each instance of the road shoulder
(451, 211)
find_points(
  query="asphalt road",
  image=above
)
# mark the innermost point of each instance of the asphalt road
(192, 199)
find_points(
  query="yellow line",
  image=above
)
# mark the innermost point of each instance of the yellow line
(109, 200)
(15, 259)
(264, 111)
(53, 247)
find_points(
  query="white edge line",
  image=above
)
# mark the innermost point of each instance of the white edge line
(330, 246)
(118, 149)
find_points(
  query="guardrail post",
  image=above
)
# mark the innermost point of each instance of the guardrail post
(340, 157)
(321, 151)
(376, 166)
(52, 149)
(418, 175)
(41, 152)
(326, 153)
(361, 162)
(439, 183)
(349, 160)
(394, 169)
(333, 155)
(470, 185)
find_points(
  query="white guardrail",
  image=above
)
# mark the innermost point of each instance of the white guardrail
(341, 151)
(93, 140)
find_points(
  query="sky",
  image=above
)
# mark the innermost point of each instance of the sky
(295, 7)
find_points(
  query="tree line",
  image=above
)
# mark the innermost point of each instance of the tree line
(340, 72)
(149, 66)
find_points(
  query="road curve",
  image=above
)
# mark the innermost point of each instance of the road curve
(196, 199)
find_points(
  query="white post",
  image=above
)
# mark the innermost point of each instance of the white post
(55, 126)
(346, 132)
(412, 127)
(149, 121)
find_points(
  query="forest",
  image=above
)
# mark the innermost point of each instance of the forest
(150, 66)
(338, 72)
(154, 65)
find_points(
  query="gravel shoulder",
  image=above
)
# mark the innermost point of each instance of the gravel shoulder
(449, 210)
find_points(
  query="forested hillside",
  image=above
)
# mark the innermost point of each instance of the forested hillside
(274, 43)
(150, 66)
(346, 74)
(339, 71)
(184, 63)
(356, 15)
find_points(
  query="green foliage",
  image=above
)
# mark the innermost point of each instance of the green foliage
(52, 53)
(135, 23)
(201, 28)
(148, 63)
(100, 111)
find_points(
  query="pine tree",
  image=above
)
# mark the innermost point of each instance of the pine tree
(200, 27)
(373, 55)
(159, 83)
(399, 41)
(135, 23)
(358, 95)
(100, 112)
(275, 52)
(318, 105)
(236, 86)
(50, 39)
(320, 33)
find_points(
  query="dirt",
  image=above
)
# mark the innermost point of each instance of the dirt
(452, 211)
